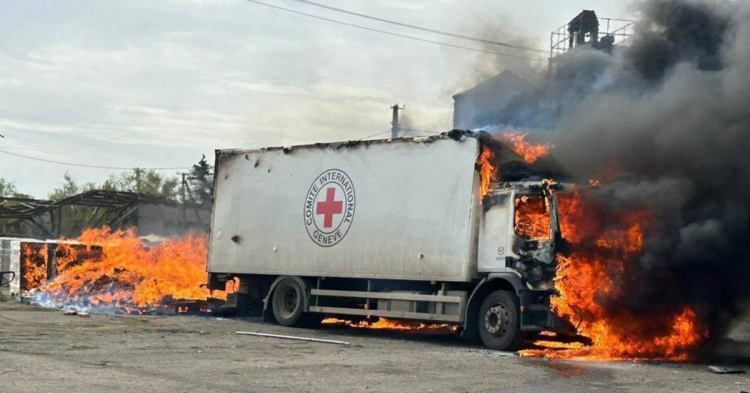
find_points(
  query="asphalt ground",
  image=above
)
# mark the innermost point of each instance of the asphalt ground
(43, 350)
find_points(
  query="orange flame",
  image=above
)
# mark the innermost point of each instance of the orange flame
(34, 265)
(529, 152)
(532, 218)
(601, 272)
(487, 171)
(117, 269)
(387, 324)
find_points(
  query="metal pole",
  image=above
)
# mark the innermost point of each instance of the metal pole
(317, 340)
(184, 198)
(395, 126)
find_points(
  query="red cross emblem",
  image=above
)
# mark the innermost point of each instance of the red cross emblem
(329, 207)
(331, 195)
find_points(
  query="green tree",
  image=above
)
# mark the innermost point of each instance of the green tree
(143, 181)
(73, 219)
(7, 188)
(12, 226)
(69, 188)
(201, 182)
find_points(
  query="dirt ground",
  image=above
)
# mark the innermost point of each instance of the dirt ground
(44, 351)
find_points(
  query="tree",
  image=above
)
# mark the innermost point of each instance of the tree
(69, 188)
(201, 182)
(143, 181)
(73, 219)
(7, 188)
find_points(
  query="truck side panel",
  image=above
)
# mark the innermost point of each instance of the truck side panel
(412, 211)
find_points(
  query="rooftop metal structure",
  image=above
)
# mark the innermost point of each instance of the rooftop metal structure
(588, 29)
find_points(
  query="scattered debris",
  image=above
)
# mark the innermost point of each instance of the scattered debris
(725, 370)
(317, 340)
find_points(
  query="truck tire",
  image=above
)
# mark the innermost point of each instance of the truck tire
(499, 322)
(287, 302)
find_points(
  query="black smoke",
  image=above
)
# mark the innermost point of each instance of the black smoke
(670, 115)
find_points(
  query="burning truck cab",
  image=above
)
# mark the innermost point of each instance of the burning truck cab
(410, 229)
(530, 236)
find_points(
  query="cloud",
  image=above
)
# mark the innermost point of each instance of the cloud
(158, 83)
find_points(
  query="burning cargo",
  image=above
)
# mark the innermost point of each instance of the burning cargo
(109, 271)
(33, 263)
(410, 229)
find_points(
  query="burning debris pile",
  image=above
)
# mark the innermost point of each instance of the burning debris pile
(653, 262)
(117, 271)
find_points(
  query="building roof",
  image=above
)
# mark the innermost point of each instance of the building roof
(503, 82)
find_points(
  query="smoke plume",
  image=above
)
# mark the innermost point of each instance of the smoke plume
(669, 116)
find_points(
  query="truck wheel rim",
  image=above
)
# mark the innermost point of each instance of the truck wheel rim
(496, 319)
(289, 301)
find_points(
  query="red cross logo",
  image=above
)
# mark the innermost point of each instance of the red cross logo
(329, 207)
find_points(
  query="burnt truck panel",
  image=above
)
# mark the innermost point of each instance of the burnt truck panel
(401, 210)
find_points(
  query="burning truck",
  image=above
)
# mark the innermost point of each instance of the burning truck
(418, 229)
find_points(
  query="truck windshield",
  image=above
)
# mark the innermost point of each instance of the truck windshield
(532, 218)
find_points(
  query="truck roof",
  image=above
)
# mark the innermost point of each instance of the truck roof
(455, 135)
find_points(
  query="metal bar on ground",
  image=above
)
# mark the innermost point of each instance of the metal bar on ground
(317, 340)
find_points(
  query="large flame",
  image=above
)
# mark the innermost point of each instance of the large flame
(532, 218)
(598, 272)
(487, 171)
(528, 151)
(34, 265)
(118, 269)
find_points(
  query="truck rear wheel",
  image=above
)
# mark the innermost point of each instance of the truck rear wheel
(287, 302)
(499, 323)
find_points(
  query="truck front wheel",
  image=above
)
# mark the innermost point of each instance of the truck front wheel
(499, 322)
(287, 302)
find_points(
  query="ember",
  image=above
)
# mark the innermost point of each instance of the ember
(126, 274)
(529, 152)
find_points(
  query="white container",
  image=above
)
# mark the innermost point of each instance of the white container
(403, 209)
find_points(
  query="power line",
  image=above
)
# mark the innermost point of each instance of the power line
(396, 34)
(84, 165)
(445, 33)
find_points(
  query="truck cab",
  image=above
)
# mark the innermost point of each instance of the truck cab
(518, 230)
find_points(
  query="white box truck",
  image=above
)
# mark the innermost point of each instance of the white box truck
(385, 228)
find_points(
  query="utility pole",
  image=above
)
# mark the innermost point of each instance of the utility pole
(184, 198)
(137, 180)
(395, 126)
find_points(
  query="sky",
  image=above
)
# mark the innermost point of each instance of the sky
(158, 83)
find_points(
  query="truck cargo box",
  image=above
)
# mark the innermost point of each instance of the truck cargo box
(393, 209)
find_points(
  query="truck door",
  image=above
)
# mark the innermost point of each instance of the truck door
(494, 228)
(536, 228)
